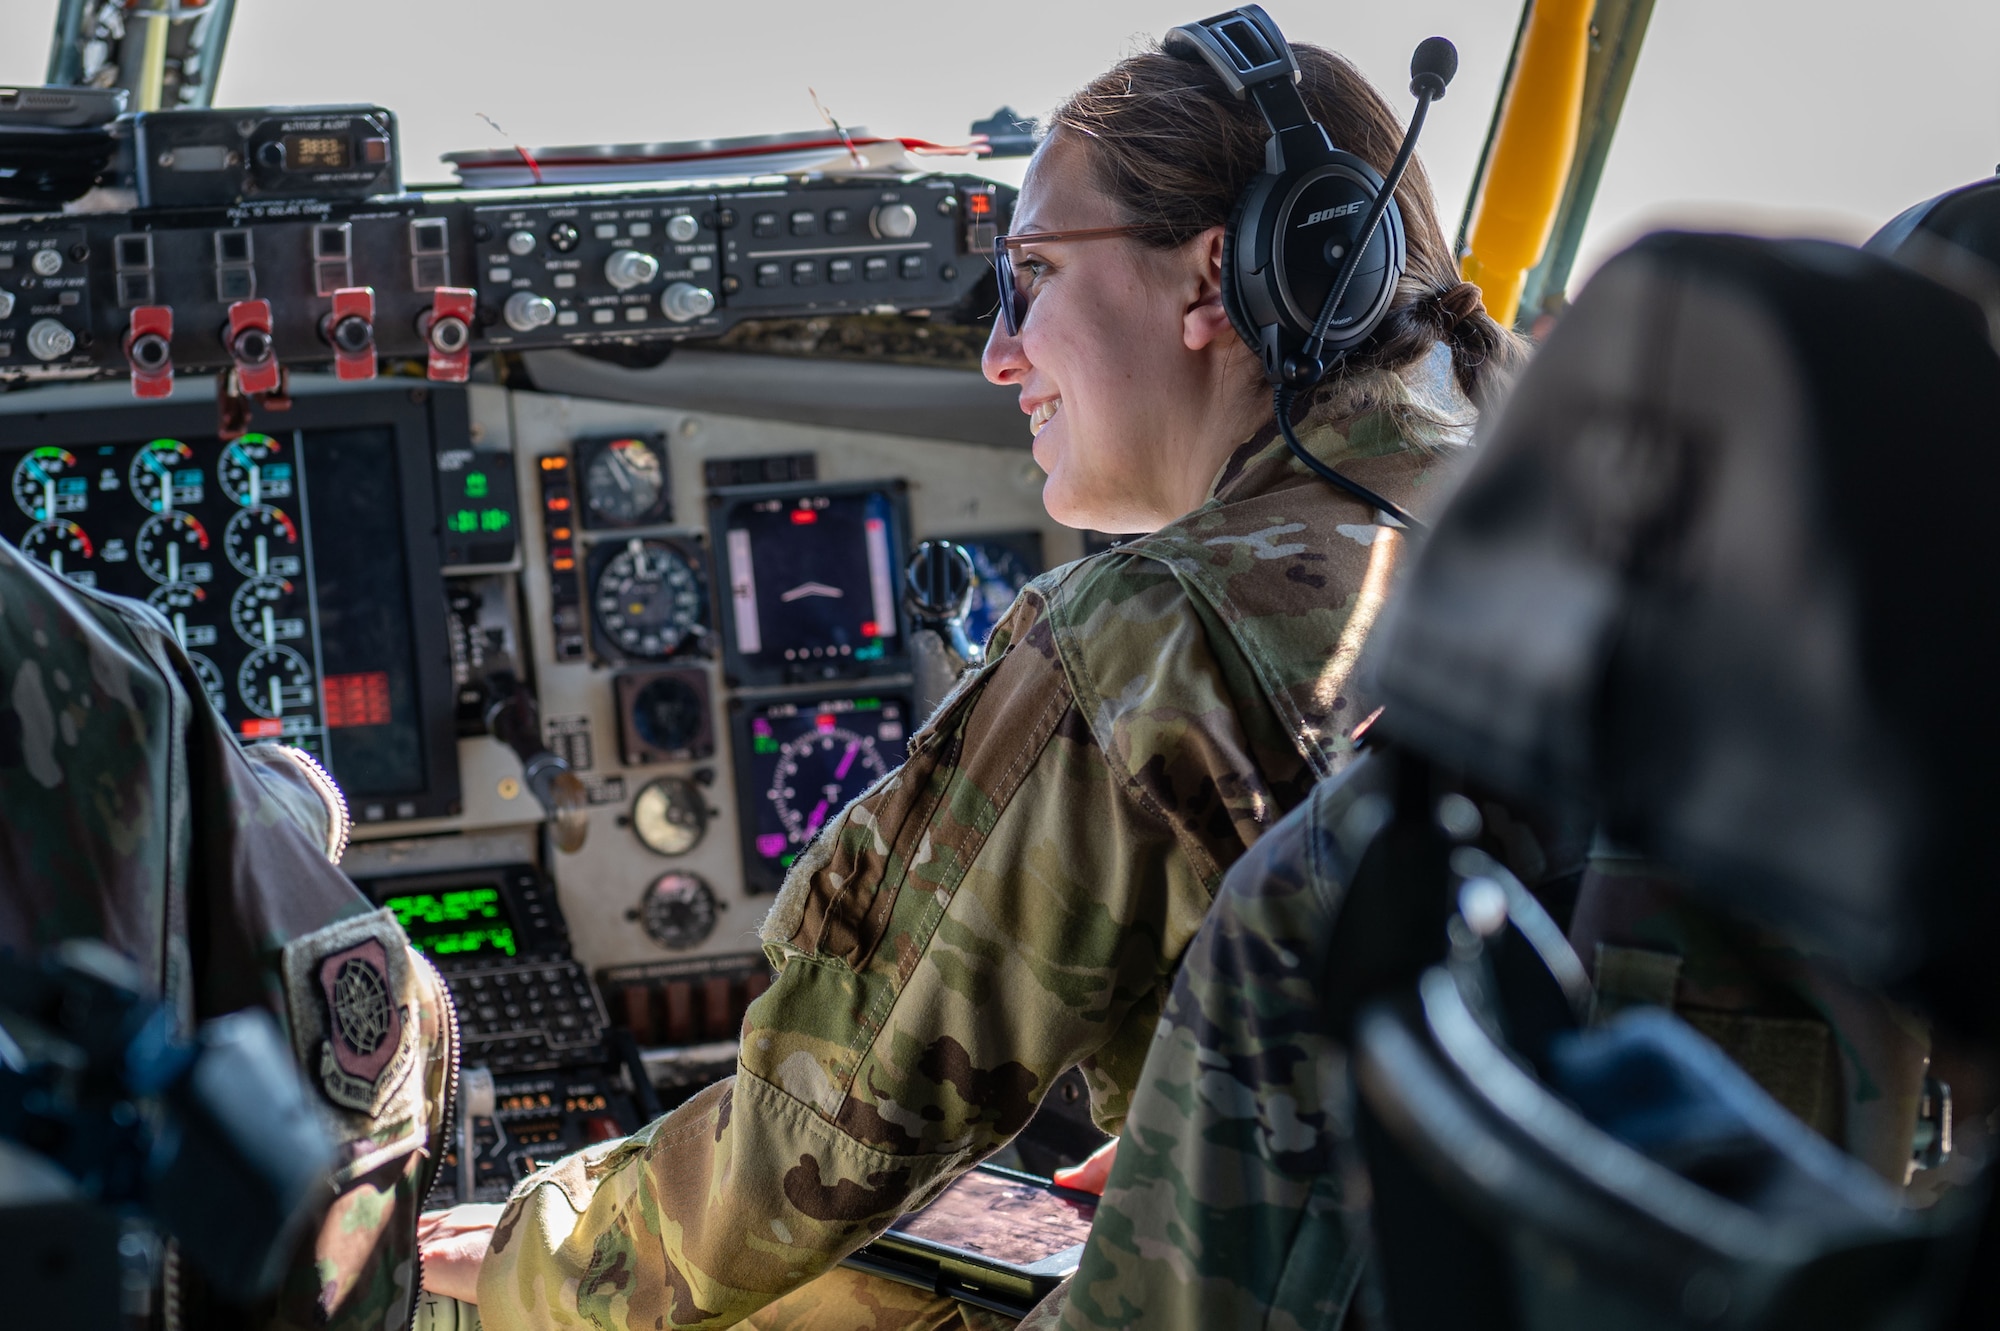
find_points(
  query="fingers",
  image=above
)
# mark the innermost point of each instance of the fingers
(1091, 1175)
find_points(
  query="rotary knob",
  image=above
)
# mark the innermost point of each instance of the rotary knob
(940, 580)
(894, 221)
(683, 228)
(525, 311)
(49, 340)
(521, 244)
(46, 263)
(626, 269)
(6, 303)
(684, 302)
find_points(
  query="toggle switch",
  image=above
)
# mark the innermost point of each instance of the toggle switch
(148, 348)
(349, 329)
(447, 330)
(253, 348)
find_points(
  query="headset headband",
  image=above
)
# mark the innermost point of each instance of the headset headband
(1245, 47)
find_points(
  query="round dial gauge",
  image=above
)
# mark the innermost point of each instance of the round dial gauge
(262, 542)
(61, 545)
(211, 680)
(275, 680)
(46, 484)
(163, 476)
(626, 483)
(173, 547)
(648, 598)
(817, 774)
(251, 471)
(176, 598)
(266, 611)
(678, 910)
(669, 816)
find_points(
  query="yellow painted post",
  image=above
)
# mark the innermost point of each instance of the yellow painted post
(151, 89)
(1531, 154)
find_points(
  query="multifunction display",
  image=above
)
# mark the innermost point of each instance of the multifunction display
(799, 763)
(279, 562)
(812, 581)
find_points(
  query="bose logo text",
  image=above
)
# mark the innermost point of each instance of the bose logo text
(1328, 214)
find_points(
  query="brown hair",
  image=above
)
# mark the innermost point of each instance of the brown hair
(1173, 148)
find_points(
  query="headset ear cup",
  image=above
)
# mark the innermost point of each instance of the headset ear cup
(1232, 292)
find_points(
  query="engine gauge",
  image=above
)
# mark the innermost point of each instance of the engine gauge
(818, 772)
(62, 545)
(163, 476)
(254, 470)
(275, 680)
(625, 483)
(678, 910)
(266, 611)
(262, 542)
(178, 600)
(649, 597)
(669, 816)
(47, 484)
(173, 547)
(211, 680)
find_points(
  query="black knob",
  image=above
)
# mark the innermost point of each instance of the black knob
(252, 346)
(940, 578)
(149, 351)
(353, 334)
(272, 155)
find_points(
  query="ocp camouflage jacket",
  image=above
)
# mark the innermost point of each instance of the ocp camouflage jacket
(129, 814)
(1009, 903)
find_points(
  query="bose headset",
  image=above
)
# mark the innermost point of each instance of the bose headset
(1312, 256)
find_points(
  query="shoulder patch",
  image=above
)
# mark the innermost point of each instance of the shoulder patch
(343, 984)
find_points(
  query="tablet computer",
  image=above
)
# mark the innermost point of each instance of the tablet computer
(996, 1238)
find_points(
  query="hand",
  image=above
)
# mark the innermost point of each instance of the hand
(453, 1244)
(1090, 1176)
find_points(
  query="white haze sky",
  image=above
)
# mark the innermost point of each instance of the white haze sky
(1817, 117)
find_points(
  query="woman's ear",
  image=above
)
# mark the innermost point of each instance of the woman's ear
(1206, 319)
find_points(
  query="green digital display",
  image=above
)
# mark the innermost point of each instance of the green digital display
(461, 922)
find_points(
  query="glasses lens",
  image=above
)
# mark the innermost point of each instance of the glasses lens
(1010, 295)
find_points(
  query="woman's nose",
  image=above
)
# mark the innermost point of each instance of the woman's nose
(1004, 361)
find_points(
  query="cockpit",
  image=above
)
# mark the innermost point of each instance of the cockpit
(611, 511)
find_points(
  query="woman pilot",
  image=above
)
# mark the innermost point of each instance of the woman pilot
(1014, 900)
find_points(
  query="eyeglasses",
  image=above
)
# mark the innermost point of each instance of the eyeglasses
(1013, 300)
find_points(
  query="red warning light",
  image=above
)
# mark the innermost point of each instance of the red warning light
(979, 205)
(824, 721)
(263, 727)
(804, 517)
(870, 629)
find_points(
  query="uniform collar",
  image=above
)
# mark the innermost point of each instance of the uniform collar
(1421, 407)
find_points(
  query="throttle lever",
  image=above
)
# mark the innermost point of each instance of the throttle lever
(515, 721)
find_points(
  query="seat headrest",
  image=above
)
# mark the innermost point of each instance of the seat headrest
(1967, 218)
(1723, 567)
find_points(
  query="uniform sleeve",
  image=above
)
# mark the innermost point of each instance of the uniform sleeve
(1006, 904)
(1224, 1207)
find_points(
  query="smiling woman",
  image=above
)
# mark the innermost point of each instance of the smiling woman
(1013, 900)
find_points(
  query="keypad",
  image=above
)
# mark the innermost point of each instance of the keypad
(521, 1016)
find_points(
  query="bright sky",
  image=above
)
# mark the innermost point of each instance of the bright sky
(1816, 116)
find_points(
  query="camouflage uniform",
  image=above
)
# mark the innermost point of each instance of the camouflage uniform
(1225, 1206)
(132, 816)
(1009, 903)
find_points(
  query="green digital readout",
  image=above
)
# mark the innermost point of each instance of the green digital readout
(460, 922)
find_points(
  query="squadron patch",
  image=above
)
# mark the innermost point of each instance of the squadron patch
(365, 1037)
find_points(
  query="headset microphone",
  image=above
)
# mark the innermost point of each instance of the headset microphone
(1301, 288)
